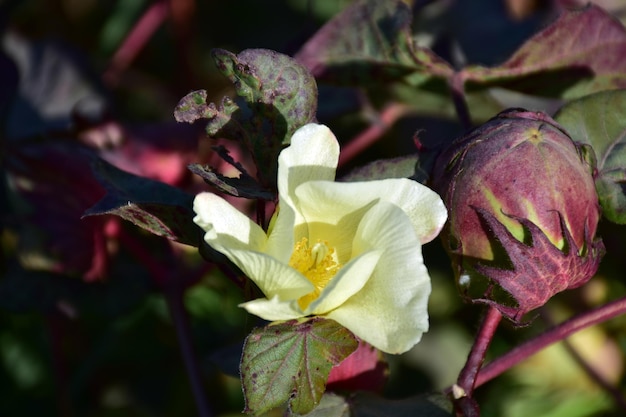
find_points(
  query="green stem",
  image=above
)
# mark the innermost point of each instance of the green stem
(553, 335)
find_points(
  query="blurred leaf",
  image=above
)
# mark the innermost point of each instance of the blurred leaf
(49, 188)
(371, 41)
(157, 207)
(400, 167)
(364, 370)
(53, 79)
(598, 120)
(431, 405)
(276, 96)
(331, 405)
(290, 362)
(581, 53)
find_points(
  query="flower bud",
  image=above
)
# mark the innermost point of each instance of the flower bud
(523, 211)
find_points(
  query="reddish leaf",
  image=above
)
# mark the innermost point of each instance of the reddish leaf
(154, 206)
(581, 53)
(364, 370)
(370, 40)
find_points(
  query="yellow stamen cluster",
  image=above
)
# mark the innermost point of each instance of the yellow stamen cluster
(317, 264)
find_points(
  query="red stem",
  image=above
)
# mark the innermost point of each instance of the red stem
(558, 333)
(136, 40)
(373, 133)
(457, 90)
(476, 357)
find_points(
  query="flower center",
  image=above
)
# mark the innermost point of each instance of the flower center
(317, 263)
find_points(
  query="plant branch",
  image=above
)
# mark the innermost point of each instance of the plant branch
(553, 335)
(457, 90)
(136, 40)
(373, 133)
(588, 368)
(174, 297)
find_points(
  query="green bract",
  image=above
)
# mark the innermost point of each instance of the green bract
(523, 211)
(350, 252)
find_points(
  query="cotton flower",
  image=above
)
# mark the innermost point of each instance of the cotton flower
(350, 252)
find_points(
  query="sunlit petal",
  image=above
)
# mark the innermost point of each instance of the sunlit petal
(273, 309)
(274, 278)
(423, 206)
(390, 312)
(312, 155)
(225, 225)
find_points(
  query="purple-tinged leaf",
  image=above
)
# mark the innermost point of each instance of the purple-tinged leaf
(155, 206)
(598, 120)
(277, 95)
(580, 53)
(290, 362)
(371, 40)
(243, 186)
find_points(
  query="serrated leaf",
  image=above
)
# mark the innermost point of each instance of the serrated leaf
(580, 53)
(243, 186)
(290, 362)
(598, 120)
(371, 41)
(154, 206)
(277, 95)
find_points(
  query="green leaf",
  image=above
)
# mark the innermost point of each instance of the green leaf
(155, 206)
(277, 95)
(598, 120)
(579, 54)
(290, 362)
(371, 41)
(331, 405)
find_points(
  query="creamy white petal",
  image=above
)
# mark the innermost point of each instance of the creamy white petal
(390, 312)
(349, 280)
(273, 309)
(423, 206)
(274, 278)
(312, 155)
(226, 225)
(280, 241)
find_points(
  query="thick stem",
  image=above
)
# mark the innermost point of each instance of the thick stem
(174, 297)
(476, 357)
(558, 333)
